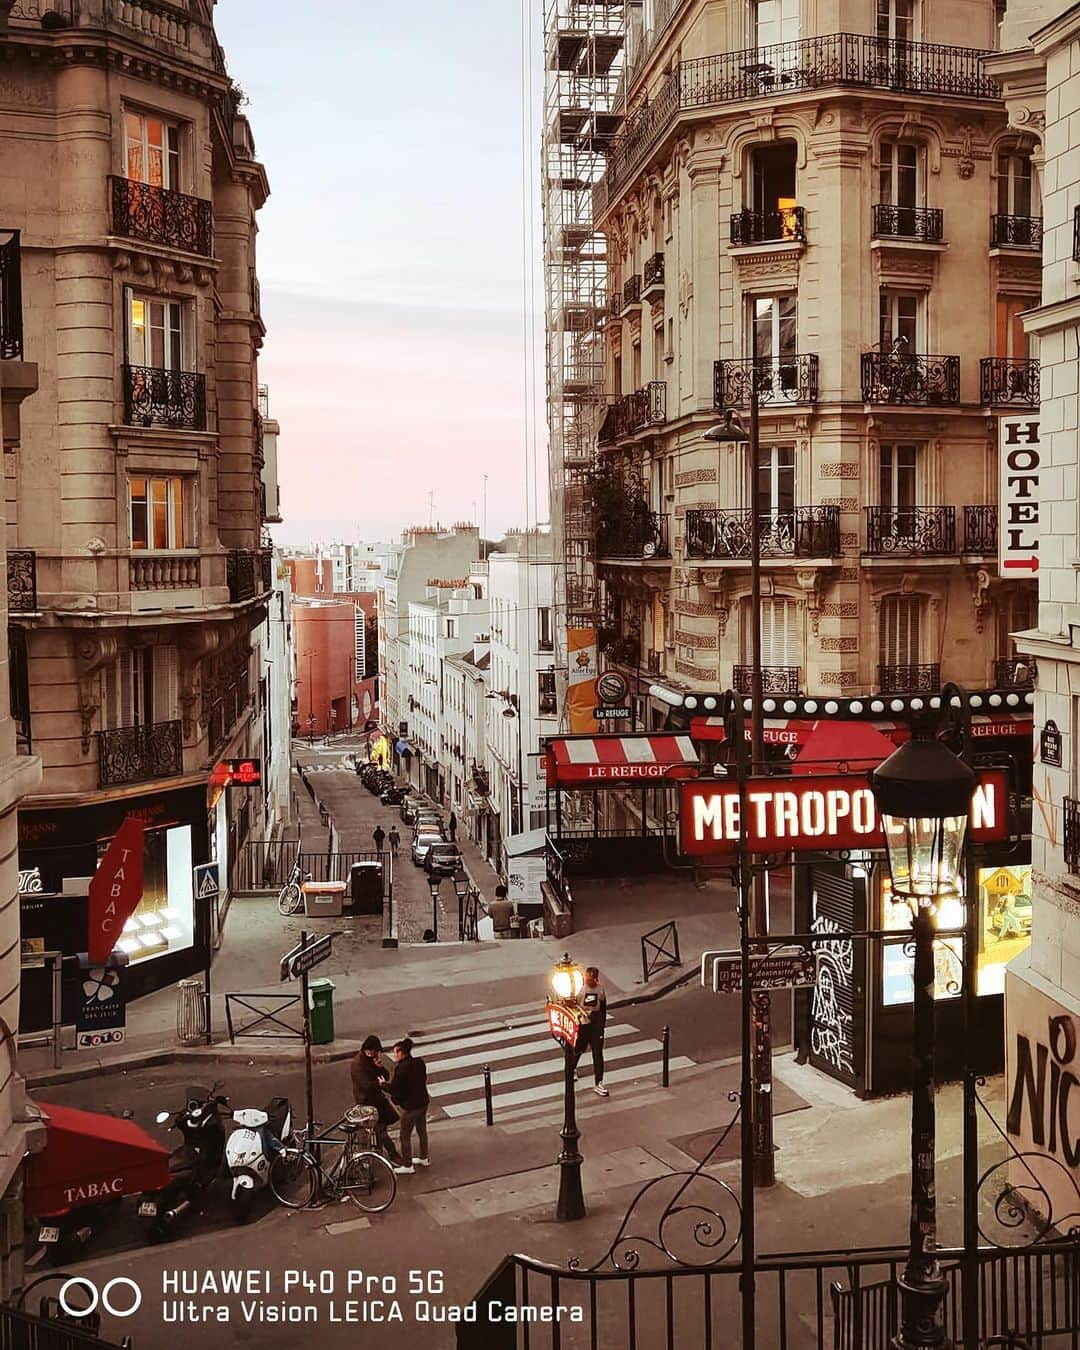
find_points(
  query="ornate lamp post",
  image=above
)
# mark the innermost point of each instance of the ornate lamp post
(923, 793)
(565, 1017)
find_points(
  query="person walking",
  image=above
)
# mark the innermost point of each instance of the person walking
(501, 911)
(594, 1000)
(369, 1074)
(408, 1091)
(452, 826)
(395, 840)
(379, 835)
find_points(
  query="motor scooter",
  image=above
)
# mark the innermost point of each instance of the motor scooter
(193, 1165)
(250, 1149)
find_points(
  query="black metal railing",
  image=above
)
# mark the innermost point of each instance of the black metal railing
(916, 679)
(631, 413)
(980, 529)
(913, 531)
(1014, 672)
(853, 59)
(653, 272)
(1016, 231)
(134, 754)
(768, 227)
(240, 570)
(1009, 380)
(774, 679)
(631, 291)
(1076, 234)
(779, 379)
(904, 378)
(1071, 833)
(53, 1330)
(157, 397)
(11, 317)
(806, 532)
(925, 224)
(158, 215)
(266, 568)
(21, 581)
(643, 536)
(614, 304)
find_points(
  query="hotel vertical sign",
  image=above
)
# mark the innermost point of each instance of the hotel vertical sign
(1019, 459)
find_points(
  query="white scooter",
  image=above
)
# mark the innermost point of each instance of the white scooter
(250, 1148)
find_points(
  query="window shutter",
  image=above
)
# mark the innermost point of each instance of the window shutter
(165, 680)
(780, 644)
(900, 637)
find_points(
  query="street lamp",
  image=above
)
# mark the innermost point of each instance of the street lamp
(511, 710)
(433, 885)
(923, 794)
(461, 886)
(565, 1019)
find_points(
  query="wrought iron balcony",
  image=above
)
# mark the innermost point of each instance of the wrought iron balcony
(924, 224)
(774, 679)
(135, 754)
(980, 529)
(1009, 380)
(158, 215)
(244, 574)
(11, 318)
(780, 379)
(1015, 672)
(906, 379)
(1016, 232)
(910, 531)
(768, 227)
(806, 532)
(922, 679)
(171, 398)
(614, 305)
(1071, 834)
(643, 535)
(631, 413)
(1076, 234)
(653, 276)
(266, 568)
(631, 292)
(21, 581)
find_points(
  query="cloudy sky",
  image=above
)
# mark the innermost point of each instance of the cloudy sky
(392, 257)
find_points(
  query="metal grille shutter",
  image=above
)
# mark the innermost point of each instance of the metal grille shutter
(834, 1028)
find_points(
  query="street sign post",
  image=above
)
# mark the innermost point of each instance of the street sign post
(788, 968)
(206, 885)
(205, 881)
(306, 956)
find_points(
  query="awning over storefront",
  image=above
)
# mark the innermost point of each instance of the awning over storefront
(777, 730)
(857, 746)
(797, 731)
(578, 760)
(89, 1158)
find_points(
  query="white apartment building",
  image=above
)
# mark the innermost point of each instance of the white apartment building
(275, 666)
(463, 727)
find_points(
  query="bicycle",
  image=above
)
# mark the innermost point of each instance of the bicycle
(290, 897)
(359, 1172)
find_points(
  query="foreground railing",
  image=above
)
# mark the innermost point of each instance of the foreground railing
(779, 379)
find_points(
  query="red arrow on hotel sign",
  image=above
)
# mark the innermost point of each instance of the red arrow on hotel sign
(115, 889)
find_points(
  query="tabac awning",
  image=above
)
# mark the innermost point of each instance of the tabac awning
(90, 1157)
(581, 760)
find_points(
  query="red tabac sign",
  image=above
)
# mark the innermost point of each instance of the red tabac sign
(115, 889)
(229, 773)
(785, 815)
(563, 1024)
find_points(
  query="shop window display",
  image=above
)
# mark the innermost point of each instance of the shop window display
(165, 918)
(897, 958)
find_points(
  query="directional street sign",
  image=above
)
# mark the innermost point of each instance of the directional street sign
(304, 957)
(206, 882)
(788, 968)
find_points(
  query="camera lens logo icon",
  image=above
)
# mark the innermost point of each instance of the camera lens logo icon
(106, 1297)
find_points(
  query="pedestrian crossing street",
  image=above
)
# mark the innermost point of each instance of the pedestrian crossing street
(527, 1066)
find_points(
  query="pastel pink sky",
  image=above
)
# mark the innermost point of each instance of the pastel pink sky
(391, 258)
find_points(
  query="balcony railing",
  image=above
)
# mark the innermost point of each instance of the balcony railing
(1009, 380)
(910, 531)
(806, 532)
(158, 215)
(631, 292)
(1071, 834)
(779, 379)
(849, 59)
(1014, 672)
(644, 536)
(924, 224)
(904, 378)
(768, 227)
(135, 754)
(1076, 234)
(1016, 232)
(163, 571)
(774, 679)
(240, 569)
(631, 413)
(11, 319)
(21, 581)
(922, 679)
(980, 529)
(653, 275)
(172, 398)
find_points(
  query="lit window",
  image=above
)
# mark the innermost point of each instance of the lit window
(158, 517)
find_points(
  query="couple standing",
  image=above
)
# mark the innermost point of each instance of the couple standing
(373, 1085)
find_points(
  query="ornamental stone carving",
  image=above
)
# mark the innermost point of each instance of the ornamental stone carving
(841, 469)
(839, 644)
(695, 476)
(843, 679)
(849, 610)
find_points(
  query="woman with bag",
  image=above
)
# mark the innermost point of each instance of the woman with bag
(368, 1074)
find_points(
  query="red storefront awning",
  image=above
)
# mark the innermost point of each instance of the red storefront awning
(857, 746)
(797, 731)
(576, 760)
(90, 1157)
(777, 730)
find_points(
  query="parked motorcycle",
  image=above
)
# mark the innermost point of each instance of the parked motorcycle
(250, 1149)
(193, 1165)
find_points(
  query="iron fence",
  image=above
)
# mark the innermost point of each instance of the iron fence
(925, 224)
(909, 679)
(160, 216)
(1076, 234)
(267, 864)
(20, 1330)
(1016, 231)
(1015, 672)
(774, 679)
(768, 227)
(980, 529)
(137, 754)
(653, 273)
(905, 378)
(1009, 380)
(240, 568)
(806, 532)
(912, 531)
(631, 291)
(154, 396)
(11, 316)
(778, 379)
(21, 581)
(640, 537)
(262, 1023)
(633, 412)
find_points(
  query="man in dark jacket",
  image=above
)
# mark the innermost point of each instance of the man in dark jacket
(368, 1075)
(408, 1088)
(378, 834)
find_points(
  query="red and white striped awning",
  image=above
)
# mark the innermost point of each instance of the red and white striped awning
(617, 759)
(797, 730)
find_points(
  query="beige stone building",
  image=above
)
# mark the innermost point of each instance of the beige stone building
(828, 200)
(136, 561)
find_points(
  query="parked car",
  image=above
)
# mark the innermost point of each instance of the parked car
(422, 843)
(442, 860)
(410, 806)
(428, 822)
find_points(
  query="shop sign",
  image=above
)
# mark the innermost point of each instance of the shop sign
(563, 1023)
(115, 889)
(30, 881)
(237, 773)
(612, 687)
(810, 814)
(1049, 745)
(609, 713)
(1019, 459)
(791, 968)
(101, 1015)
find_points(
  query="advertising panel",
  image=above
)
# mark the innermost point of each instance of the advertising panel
(581, 679)
(1019, 459)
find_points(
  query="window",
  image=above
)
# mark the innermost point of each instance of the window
(658, 352)
(780, 640)
(151, 150)
(545, 693)
(635, 365)
(1017, 189)
(773, 169)
(775, 21)
(896, 20)
(157, 332)
(158, 516)
(899, 639)
(544, 640)
(899, 315)
(616, 385)
(898, 176)
(1010, 338)
(773, 323)
(140, 688)
(1017, 612)
(451, 628)
(776, 482)
(897, 476)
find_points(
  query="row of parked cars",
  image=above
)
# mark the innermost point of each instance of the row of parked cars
(430, 849)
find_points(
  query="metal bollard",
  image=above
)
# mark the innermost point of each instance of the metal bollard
(665, 1073)
(489, 1105)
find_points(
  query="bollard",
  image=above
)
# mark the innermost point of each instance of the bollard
(665, 1078)
(489, 1105)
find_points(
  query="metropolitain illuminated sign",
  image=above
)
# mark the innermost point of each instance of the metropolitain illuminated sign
(829, 813)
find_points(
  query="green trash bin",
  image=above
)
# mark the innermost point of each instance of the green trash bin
(321, 998)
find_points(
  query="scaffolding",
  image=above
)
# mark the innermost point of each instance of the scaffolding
(583, 62)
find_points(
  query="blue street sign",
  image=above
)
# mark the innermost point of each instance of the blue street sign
(206, 881)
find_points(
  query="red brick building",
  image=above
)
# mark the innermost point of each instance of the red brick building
(336, 650)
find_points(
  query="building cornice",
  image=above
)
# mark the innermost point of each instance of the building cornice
(1047, 318)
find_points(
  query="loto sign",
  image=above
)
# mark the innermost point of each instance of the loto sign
(810, 814)
(115, 890)
(1019, 461)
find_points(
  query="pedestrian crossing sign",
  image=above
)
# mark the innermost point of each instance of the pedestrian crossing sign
(206, 881)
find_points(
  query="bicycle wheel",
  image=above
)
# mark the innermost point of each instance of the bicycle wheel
(294, 1178)
(369, 1180)
(288, 902)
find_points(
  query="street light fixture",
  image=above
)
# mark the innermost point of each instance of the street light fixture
(434, 883)
(461, 886)
(923, 794)
(565, 1018)
(511, 710)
